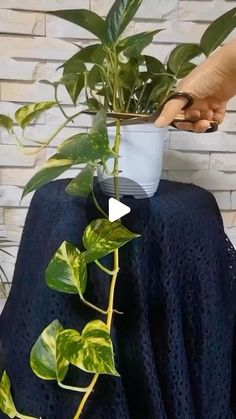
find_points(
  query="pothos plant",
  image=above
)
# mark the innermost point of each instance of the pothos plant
(113, 74)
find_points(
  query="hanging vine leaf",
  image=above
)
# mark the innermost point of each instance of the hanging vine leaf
(118, 18)
(46, 362)
(180, 57)
(51, 169)
(91, 350)
(84, 18)
(93, 54)
(74, 86)
(218, 31)
(82, 184)
(153, 64)
(28, 113)
(6, 402)
(67, 271)
(135, 44)
(102, 237)
(6, 122)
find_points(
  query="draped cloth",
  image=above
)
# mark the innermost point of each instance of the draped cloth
(175, 346)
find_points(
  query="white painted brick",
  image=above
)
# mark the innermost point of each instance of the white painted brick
(41, 133)
(177, 32)
(229, 218)
(231, 233)
(48, 71)
(10, 155)
(17, 177)
(223, 199)
(209, 179)
(10, 196)
(217, 141)
(36, 48)
(233, 200)
(223, 161)
(177, 160)
(15, 216)
(44, 4)
(9, 108)
(2, 304)
(150, 9)
(229, 123)
(15, 70)
(22, 23)
(231, 105)
(59, 28)
(12, 233)
(54, 116)
(161, 51)
(19, 92)
(202, 10)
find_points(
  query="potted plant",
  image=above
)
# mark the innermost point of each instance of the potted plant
(114, 75)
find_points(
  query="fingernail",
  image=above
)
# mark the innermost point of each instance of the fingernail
(161, 122)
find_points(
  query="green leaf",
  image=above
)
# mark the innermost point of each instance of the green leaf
(6, 402)
(118, 18)
(100, 123)
(180, 56)
(84, 18)
(51, 169)
(45, 360)
(135, 44)
(67, 271)
(102, 237)
(154, 65)
(218, 31)
(94, 77)
(91, 351)
(74, 86)
(6, 122)
(93, 104)
(93, 54)
(82, 184)
(86, 147)
(28, 113)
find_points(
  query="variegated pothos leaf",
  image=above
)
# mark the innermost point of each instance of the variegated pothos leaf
(91, 350)
(102, 237)
(67, 271)
(45, 360)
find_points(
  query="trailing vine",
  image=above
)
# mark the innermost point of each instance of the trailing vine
(115, 75)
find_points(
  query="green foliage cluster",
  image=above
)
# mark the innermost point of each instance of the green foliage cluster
(114, 74)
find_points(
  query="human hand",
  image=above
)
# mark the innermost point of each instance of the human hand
(211, 84)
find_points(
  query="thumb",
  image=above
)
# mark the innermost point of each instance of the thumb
(169, 112)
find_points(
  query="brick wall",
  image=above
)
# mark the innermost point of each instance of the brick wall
(33, 45)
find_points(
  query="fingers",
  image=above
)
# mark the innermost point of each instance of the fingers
(170, 110)
(199, 126)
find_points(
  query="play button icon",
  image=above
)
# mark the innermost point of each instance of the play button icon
(116, 209)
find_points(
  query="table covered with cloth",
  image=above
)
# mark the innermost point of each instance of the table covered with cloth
(175, 345)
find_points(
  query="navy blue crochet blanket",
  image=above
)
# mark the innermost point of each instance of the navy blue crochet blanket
(175, 344)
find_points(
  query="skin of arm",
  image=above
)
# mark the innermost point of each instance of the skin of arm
(212, 83)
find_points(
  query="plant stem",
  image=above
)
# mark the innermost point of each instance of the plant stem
(86, 396)
(48, 141)
(104, 269)
(20, 416)
(78, 389)
(87, 303)
(115, 272)
(58, 103)
(116, 162)
(98, 206)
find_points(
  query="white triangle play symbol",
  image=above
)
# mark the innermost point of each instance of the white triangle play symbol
(117, 210)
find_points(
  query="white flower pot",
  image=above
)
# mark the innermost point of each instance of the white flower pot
(140, 162)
